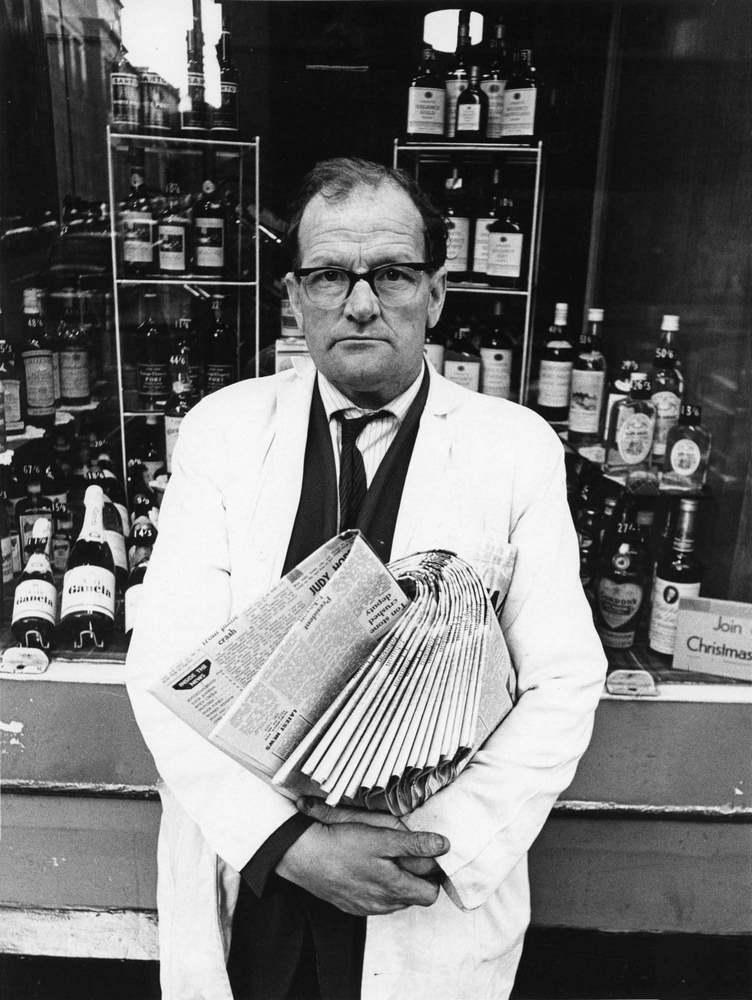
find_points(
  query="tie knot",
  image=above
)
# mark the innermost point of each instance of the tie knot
(352, 426)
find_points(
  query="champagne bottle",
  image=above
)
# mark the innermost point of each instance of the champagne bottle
(220, 349)
(35, 600)
(74, 355)
(88, 601)
(554, 379)
(31, 508)
(426, 101)
(179, 401)
(38, 361)
(678, 574)
(225, 118)
(588, 384)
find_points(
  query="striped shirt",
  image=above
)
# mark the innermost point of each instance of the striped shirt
(375, 438)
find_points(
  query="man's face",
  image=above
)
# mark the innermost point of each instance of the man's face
(369, 351)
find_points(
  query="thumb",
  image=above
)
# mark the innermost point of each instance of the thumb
(316, 808)
(422, 845)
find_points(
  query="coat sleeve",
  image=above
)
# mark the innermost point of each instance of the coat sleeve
(187, 594)
(495, 809)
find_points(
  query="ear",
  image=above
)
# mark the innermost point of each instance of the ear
(436, 296)
(293, 290)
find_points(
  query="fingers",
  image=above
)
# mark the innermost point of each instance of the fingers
(419, 844)
(422, 867)
(318, 809)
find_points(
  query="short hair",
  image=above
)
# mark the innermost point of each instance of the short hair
(337, 178)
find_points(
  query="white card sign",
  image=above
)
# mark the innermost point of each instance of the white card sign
(714, 637)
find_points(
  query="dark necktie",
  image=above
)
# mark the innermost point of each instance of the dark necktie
(352, 471)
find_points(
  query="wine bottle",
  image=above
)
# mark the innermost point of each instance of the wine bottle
(134, 588)
(179, 402)
(208, 232)
(125, 101)
(482, 225)
(151, 449)
(220, 349)
(588, 384)
(506, 246)
(494, 81)
(678, 574)
(426, 101)
(152, 353)
(555, 372)
(75, 387)
(173, 231)
(472, 111)
(462, 360)
(35, 599)
(456, 79)
(434, 348)
(36, 351)
(458, 224)
(496, 352)
(667, 385)
(88, 600)
(224, 119)
(519, 120)
(137, 227)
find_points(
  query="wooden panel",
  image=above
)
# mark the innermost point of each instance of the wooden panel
(124, 934)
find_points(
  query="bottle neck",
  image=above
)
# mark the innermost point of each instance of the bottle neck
(686, 529)
(92, 530)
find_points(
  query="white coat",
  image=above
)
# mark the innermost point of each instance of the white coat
(484, 472)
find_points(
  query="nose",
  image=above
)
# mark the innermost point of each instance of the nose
(361, 305)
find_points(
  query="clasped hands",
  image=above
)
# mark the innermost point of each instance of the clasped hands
(365, 863)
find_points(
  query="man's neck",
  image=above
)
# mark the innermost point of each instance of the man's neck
(371, 401)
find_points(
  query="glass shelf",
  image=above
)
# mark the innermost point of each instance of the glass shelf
(185, 140)
(187, 280)
(462, 286)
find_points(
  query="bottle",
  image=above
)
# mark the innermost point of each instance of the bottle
(35, 599)
(618, 388)
(621, 583)
(87, 609)
(482, 225)
(12, 379)
(588, 385)
(155, 113)
(193, 116)
(11, 493)
(685, 463)
(462, 360)
(426, 101)
(143, 533)
(667, 385)
(434, 348)
(587, 525)
(208, 232)
(36, 351)
(113, 534)
(456, 79)
(496, 357)
(225, 118)
(629, 442)
(555, 372)
(220, 346)
(186, 335)
(173, 231)
(62, 540)
(134, 588)
(471, 111)
(151, 449)
(494, 81)
(458, 223)
(506, 244)
(30, 508)
(74, 355)
(520, 100)
(678, 574)
(137, 227)
(179, 401)
(125, 102)
(152, 353)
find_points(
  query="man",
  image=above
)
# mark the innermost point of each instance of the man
(331, 903)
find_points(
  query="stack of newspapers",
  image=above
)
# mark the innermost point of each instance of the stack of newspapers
(365, 684)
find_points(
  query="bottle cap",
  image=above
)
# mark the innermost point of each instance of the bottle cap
(670, 323)
(560, 313)
(595, 315)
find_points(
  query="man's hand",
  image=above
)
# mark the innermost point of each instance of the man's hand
(354, 866)
(319, 810)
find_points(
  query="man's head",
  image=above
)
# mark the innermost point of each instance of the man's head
(365, 335)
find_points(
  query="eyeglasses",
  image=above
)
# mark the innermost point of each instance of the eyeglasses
(392, 284)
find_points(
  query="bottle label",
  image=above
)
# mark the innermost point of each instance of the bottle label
(35, 598)
(480, 244)
(152, 380)
(519, 112)
(87, 589)
(153, 106)
(685, 457)
(425, 111)
(226, 115)
(666, 594)
(171, 426)
(435, 354)
(667, 406)
(554, 383)
(15, 549)
(116, 543)
(13, 419)
(125, 98)
(613, 398)
(468, 118)
(40, 383)
(56, 374)
(496, 372)
(210, 243)
(193, 116)
(464, 373)
(6, 551)
(458, 244)
(494, 91)
(137, 230)
(504, 255)
(453, 90)
(634, 437)
(171, 248)
(618, 603)
(132, 601)
(74, 375)
(218, 376)
(585, 401)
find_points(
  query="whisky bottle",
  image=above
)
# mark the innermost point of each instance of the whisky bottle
(125, 99)
(179, 402)
(35, 599)
(193, 116)
(482, 224)
(14, 390)
(521, 100)
(629, 442)
(152, 355)
(36, 352)
(434, 347)
(173, 231)
(621, 583)
(73, 350)
(496, 353)
(456, 79)
(588, 384)
(87, 610)
(667, 385)
(494, 81)
(209, 232)
(555, 373)
(137, 227)
(221, 364)
(678, 574)
(685, 463)
(462, 360)
(426, 100)
(618, 388)
(506, 246)
(225, 118)
(134, 587)
(458, 223)
(472, 111)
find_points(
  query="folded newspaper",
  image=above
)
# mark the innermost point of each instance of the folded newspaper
(365, 684)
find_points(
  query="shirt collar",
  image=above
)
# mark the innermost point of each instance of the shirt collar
(335, 400)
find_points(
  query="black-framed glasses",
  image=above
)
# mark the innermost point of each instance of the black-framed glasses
(392, 284)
